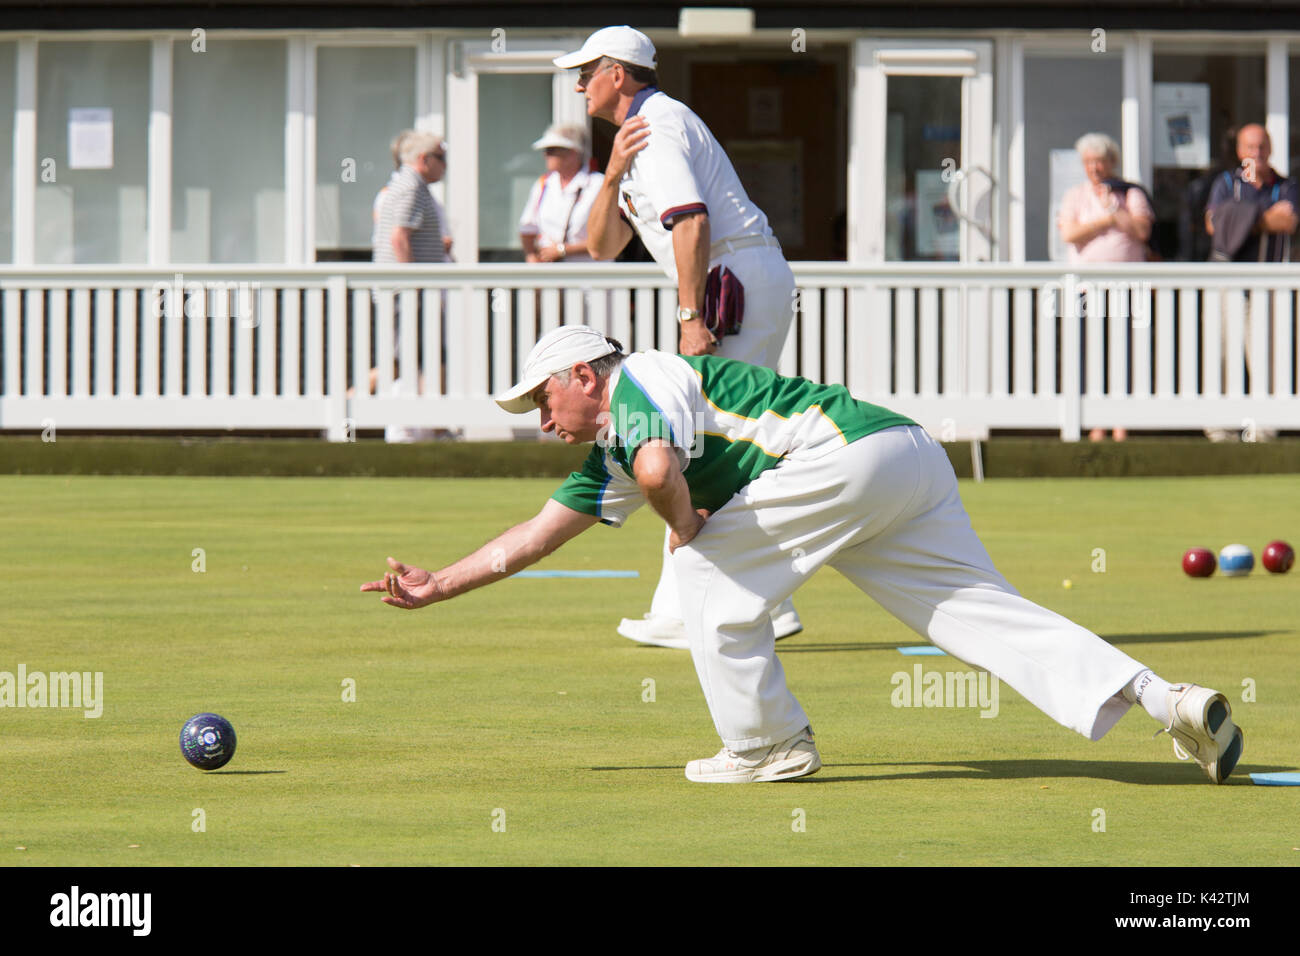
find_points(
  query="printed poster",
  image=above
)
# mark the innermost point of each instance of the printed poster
(90, 139)
(1181, 137)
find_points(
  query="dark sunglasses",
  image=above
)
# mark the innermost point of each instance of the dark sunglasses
(586, 76)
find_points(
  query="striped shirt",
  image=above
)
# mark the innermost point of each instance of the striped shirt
(407, 203)
(728, 421)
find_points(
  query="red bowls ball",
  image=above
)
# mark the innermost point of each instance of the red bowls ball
(1278, 557)
(1199, 562)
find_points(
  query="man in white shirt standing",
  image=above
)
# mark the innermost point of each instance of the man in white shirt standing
(670, 181)
(553, 227)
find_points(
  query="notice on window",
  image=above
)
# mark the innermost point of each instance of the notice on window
(90, 139)
(937, 235)
(1181, 113)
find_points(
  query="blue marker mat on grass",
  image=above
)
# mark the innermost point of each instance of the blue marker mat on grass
(925, 650)
(578, 574)
(1288, 778)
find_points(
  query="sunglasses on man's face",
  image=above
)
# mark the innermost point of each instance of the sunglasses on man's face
(586, 76)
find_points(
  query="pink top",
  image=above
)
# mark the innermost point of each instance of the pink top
(1081, 204)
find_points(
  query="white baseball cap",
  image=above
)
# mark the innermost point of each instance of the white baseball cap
(617, 43)
(556, 351)
(565, 136)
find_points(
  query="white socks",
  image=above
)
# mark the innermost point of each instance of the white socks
(1152, 693)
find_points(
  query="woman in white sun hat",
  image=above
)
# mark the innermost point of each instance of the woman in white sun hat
(553, 227)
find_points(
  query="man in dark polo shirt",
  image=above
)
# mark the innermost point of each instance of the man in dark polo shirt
(1254, 202)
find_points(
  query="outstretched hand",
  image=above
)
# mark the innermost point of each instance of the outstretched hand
(406, 587)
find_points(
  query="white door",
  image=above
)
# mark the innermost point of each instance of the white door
(501, 96)
(921, 172)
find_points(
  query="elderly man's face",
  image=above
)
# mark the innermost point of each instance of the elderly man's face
(596, 80)
(432, 165)
(1096, 166)
(1253, 144)
(571, 411)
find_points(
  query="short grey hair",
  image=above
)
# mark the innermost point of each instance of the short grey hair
(398, 142)
(1098, 144)
(602, 366)
(418, 144)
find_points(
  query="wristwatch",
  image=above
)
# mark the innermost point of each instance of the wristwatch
(559, 249)
(687, 315)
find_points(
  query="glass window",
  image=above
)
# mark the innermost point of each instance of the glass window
(1293, 82)
(783, 123)
(1065, 97)
(8, 55)
(92, 148)
(1233, 84)
(365, 96)
(228, 119)
(514, 110)
(922, 149)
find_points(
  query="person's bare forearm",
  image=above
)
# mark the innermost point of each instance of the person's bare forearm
(401, 240)
(512, 550)
(529, 243)
(607, 233)
(691, 236)
(691, 253)
(1078, 232)
(660, 479)
(409, 588)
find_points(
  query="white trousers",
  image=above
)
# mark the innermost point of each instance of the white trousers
(885, 512)
(769, 310)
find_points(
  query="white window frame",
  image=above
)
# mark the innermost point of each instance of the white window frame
(428, 114)
(467, 60)
(874, 62)
(1135, 103)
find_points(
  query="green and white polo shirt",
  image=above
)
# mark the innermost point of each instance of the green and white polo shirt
(729, 422)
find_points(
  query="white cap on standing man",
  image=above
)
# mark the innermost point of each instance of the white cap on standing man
(617, 43)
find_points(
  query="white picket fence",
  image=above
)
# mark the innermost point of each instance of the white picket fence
(962, 349)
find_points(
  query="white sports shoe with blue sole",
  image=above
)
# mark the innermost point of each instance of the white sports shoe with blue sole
(1202, 728)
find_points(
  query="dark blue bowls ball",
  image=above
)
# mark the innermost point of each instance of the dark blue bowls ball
(208, 741)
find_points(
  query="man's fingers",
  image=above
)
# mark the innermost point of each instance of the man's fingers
(374, 586)
(633, 139)
(397, 566)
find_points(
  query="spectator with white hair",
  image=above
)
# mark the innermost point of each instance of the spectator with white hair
(396, 148)
(1104, 219)
(410, 226)
(553, 226)
(1101, 219)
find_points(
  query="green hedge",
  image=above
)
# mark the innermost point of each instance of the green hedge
(1003, 457)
